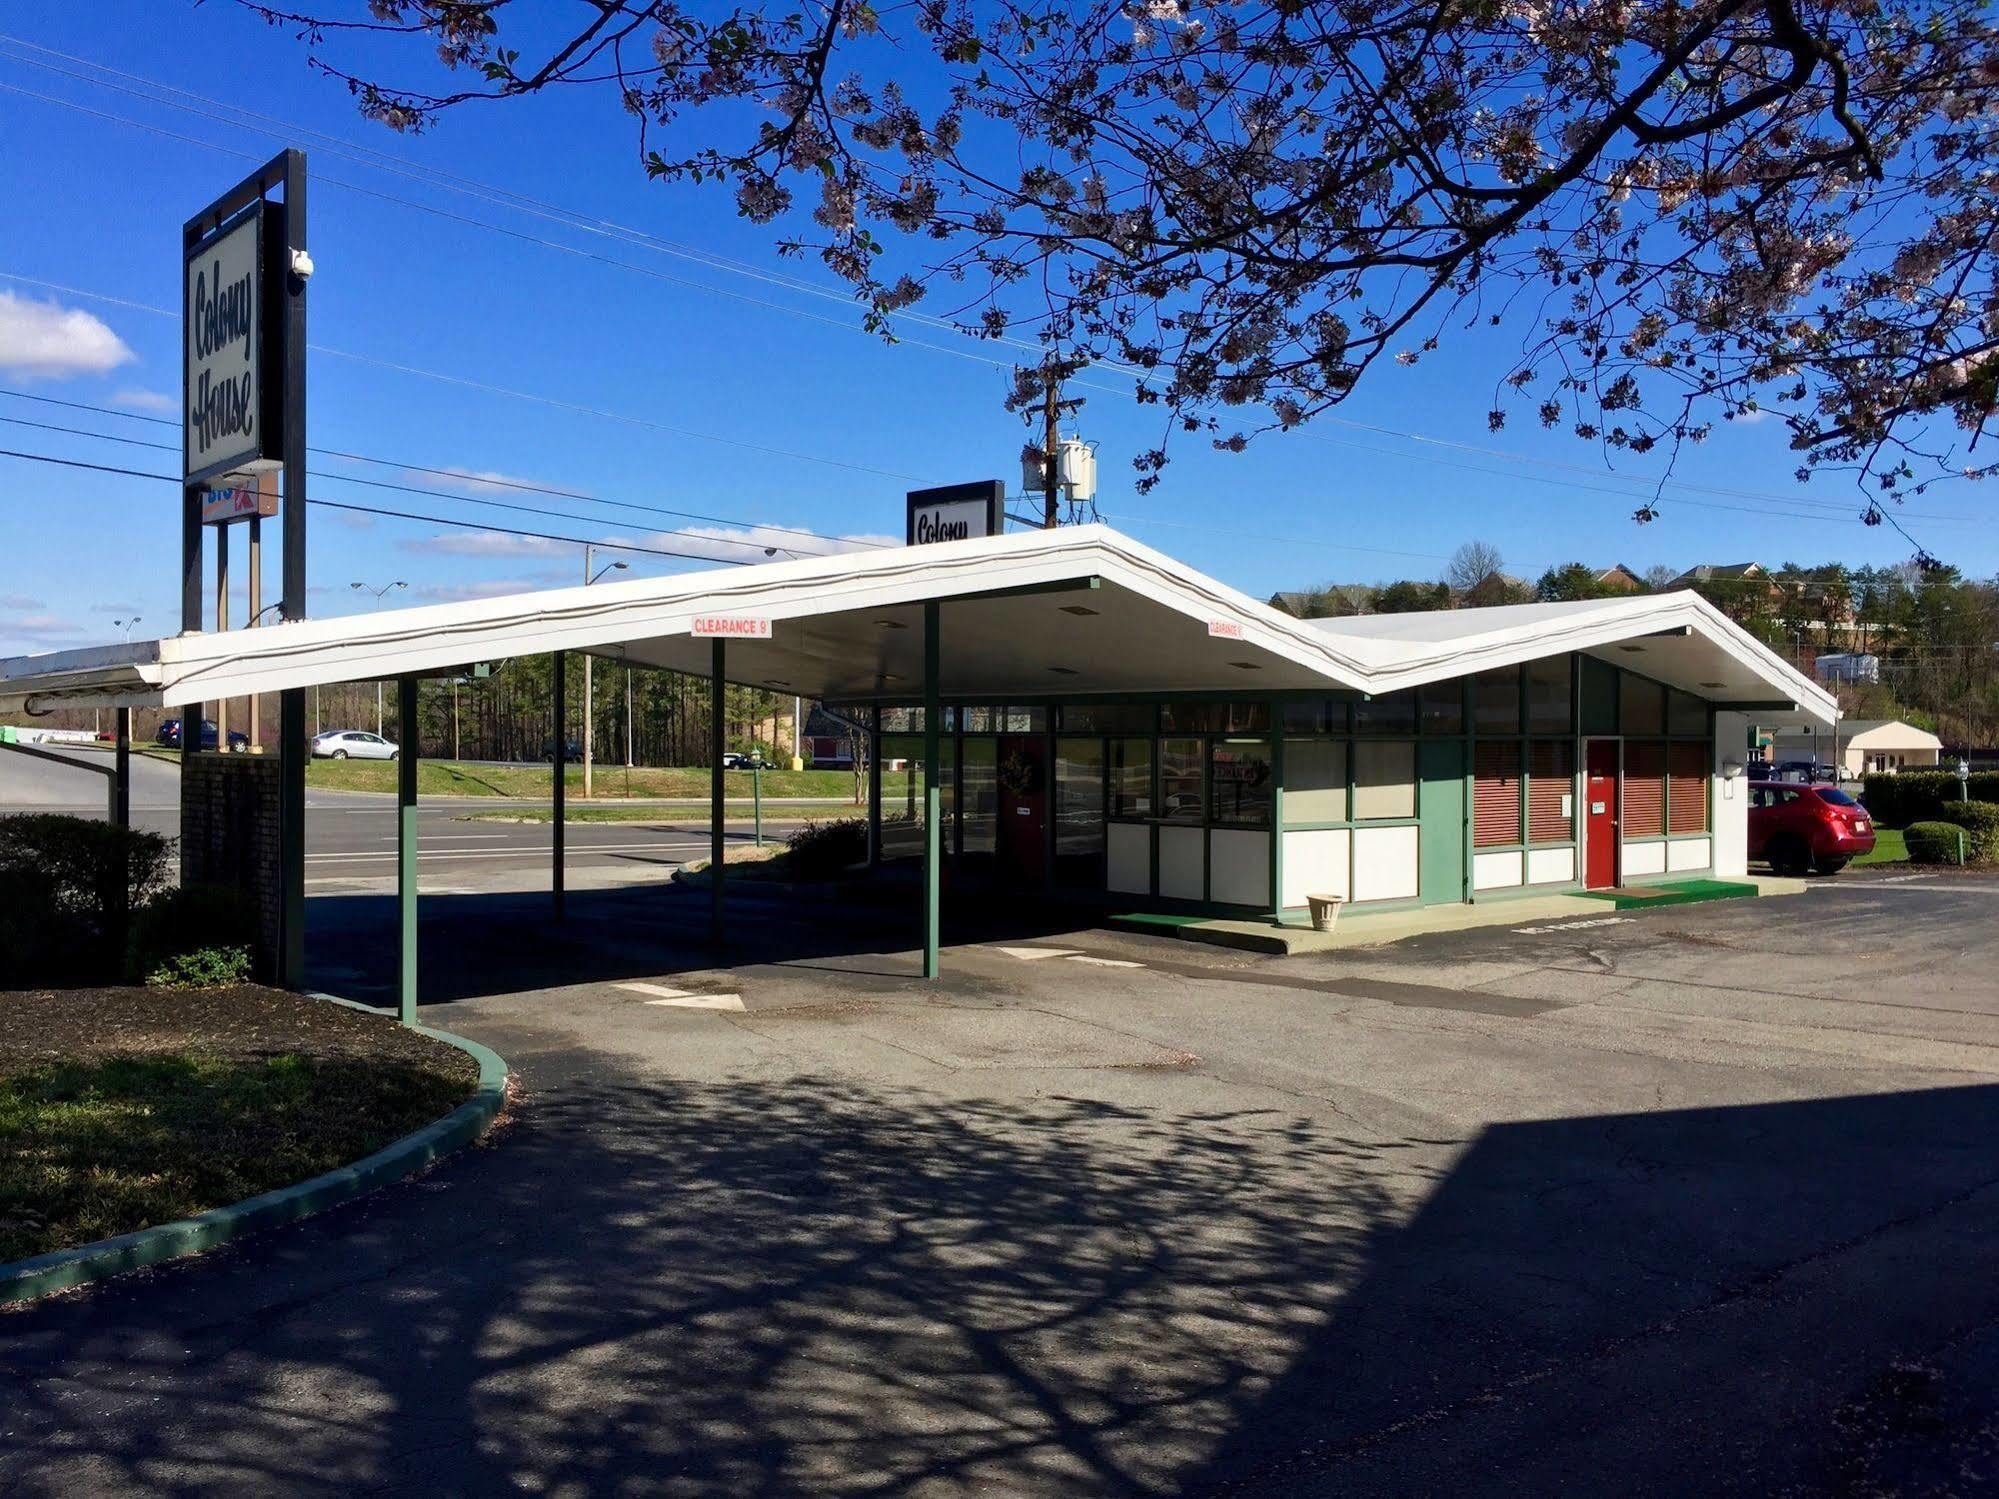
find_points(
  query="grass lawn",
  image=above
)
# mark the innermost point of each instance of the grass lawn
(121, 1108)
(734, 812)
(449, 778)
(1889, 848)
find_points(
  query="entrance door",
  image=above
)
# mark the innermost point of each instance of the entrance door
(1023, 809)
(1600, 816)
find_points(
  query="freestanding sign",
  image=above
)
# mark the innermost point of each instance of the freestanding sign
(234, 392)
(954, 512)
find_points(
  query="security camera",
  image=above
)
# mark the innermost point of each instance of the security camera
(301, 265)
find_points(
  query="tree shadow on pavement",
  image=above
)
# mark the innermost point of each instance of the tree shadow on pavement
(813, 1287)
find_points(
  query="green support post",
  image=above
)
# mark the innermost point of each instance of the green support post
(874, 787)
(933, 790)
(757, 798)
(406, 881)
(1277, 812)
(715, 798)
(561, 779)
(121, 793)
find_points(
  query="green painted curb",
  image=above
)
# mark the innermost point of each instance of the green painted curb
(25, 1280)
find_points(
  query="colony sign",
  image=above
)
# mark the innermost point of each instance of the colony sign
(229, 352)
(956, 512)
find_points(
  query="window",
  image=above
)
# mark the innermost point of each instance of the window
(1496, 701)
(1551, 769)
(1323, 715)
(1131, 778)
(980, 778)
(976, 720)
(1686, 715)
(902, 720)
(1025, 721)
(1315, 781)
(1644, 788)
(1192, 718)
(1641, 705)
(1550, 705)
(1496, 793)
(1107, 718)
(1242, 781)
(1079, 802)
(1384, 779)
(1599, 696)
(1687, 781)
(1182, 797)
(1441, 705)
(1392, 714)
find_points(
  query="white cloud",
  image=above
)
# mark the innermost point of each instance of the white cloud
(487, 588)
(756, 543)
(38, 627)
(484, 480)
(45, 340)
(485, 544)
(114, 608)
(146, 400)
(19, 601)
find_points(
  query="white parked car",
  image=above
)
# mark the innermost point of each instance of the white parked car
(352, 744)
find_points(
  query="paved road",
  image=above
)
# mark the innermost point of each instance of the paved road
(351, 836)
(1702, 1200)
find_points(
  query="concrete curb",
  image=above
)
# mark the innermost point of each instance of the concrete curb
(26, 1280)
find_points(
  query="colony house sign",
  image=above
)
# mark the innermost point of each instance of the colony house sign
(233, 375)
(956, 512)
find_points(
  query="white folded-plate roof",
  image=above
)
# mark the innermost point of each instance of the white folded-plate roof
(1078, 612)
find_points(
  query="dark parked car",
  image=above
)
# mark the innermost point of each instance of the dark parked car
(1803, 770)
(572, 751)
(169, 735)
(738, 760)
(1800, 828)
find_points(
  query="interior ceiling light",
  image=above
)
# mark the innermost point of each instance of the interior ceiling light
(1714, 684)
(1634, 649)
(1245, 666)
(1063, 671)
(1076, 609)
(891, 624)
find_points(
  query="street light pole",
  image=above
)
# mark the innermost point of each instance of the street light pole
(589, 707)
(369, 588)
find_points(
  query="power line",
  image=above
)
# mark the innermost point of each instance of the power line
(435, 520)
(494, 481)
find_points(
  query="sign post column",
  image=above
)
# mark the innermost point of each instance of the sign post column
(560, 784)
(406, 831)
(716, 830)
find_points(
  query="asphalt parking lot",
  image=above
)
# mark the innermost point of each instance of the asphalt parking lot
(1702, 1200)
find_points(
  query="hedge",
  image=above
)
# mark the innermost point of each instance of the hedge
(1934, 842)
(1980, 821)
(1902, 797)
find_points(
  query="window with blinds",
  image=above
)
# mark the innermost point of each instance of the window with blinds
(1688, 780)
(1496, 793)
(1644, 788)
(1551, 769)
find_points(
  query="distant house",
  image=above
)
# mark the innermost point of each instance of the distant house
(1864, 744)
(830, 740)
(1620, 579)
(1721, 572)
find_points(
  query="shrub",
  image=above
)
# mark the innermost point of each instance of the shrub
(1980, 821)
(1898, 799)
(204, 968)
(822, 850)
(187, 920)
(67, 888)
(1934, 842)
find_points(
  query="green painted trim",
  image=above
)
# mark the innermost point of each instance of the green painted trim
(933, 791)
(1678, 892)
(64, 1269)
(558, 779)
(1276, 829)
(406, 850)
(718, 862)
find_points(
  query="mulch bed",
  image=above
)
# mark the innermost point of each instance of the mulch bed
(41, 1027)
(124, 1107)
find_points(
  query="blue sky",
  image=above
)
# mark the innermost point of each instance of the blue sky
(803, 420)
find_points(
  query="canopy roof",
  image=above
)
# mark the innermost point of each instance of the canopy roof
(1078, 612)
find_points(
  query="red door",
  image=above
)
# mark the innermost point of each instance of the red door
(1600, 816)
(1023, 809)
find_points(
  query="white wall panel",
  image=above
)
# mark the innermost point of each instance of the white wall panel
(1315, 863)
(1495, 871)
(1129, 862)
(1239, 867)
(1731, 797)
(1181, 862)
(1551, 866)
(1688, 853)
(1642, 858)
(1384, 863)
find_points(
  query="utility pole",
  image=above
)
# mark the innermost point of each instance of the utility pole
(1051, 442)
(378, 592)
(628, 721)
(589, 556)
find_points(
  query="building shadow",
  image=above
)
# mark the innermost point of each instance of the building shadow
(474, 945)
(826, 1288)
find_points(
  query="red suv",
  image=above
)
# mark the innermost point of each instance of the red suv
(1800, 828)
